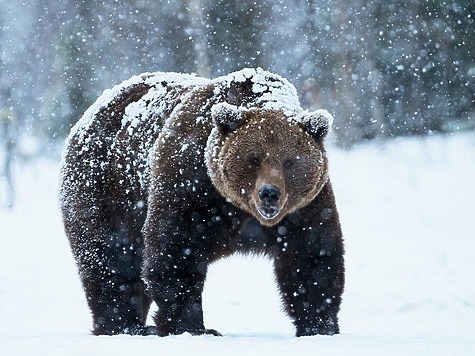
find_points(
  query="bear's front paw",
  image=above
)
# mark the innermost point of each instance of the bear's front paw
(141, 330)
(315, 330)
(205, 332)
(191, 331)
(322, 326)
(149, 330)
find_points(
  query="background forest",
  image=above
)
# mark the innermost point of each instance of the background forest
(383, 68)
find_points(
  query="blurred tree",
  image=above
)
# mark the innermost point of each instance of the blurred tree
(73, 89)
(177, 52)
(9, 140)
(425, 51)
(199, 37)
(235, 30)
(7, 127)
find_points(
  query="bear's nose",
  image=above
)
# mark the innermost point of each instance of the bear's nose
(269, 194)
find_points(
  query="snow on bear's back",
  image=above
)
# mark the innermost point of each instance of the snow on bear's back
(152, 90)
(152, 96)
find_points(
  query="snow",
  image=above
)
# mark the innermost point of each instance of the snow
(407, 213)
(227, 113)
(277, 92)
(85, 122)
(133, 111)
(318, 120)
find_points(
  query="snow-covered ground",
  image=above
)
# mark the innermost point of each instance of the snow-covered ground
(407, 210)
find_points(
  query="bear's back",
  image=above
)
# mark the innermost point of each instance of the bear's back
(115, 135)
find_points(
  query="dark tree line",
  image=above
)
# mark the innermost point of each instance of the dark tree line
(383, 68)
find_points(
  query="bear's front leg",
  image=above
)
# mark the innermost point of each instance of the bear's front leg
(310, 274)
(175, 269)
(311, 290)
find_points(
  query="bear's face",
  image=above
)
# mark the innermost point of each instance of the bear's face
(266, 163)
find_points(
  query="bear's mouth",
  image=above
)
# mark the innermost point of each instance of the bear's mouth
(268, 211)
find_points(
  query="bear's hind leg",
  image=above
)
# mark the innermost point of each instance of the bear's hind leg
(119, 307)
(110, 271)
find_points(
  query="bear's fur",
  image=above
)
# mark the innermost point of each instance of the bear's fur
(167, 173)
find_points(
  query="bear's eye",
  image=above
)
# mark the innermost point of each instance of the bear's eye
(288, 163)
(255, 162)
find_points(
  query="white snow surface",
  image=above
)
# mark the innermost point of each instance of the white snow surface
(407, 214)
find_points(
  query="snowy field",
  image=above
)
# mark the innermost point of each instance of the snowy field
(407, 211)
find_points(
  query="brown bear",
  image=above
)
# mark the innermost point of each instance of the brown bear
(169, 172)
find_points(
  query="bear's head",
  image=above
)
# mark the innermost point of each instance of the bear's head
(265, 162)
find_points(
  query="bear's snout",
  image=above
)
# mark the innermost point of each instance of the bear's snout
(269, 196)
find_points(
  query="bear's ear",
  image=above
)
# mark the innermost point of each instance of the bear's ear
(226, 117)
(317, 123)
